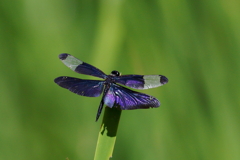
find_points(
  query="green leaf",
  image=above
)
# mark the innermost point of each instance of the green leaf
(107, 134)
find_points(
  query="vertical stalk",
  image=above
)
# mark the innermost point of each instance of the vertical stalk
(107, 134)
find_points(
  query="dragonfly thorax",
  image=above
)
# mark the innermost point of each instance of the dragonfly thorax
(110, 78)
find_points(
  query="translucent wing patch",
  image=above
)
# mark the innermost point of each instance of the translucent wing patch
(80, 66)
(141, 81)
(89, 88)
(128, 99)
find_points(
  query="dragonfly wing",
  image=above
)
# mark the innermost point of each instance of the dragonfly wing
(89, 88)
(128, 99)
(141, 81)
(80, 66)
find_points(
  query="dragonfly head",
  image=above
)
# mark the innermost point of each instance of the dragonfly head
(115, 73)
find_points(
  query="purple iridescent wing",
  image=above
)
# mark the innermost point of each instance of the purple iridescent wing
(81, 67)
(128, 99)
(89, 88)
(141, 81)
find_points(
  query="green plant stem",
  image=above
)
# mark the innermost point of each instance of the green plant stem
(107, 134)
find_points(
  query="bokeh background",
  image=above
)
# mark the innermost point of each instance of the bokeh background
(196, 44)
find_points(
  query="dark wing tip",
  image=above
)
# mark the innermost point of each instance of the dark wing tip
(63, 56)
(58, 79)
(163, 80)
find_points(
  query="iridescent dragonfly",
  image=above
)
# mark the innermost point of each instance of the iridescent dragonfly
(114, 95)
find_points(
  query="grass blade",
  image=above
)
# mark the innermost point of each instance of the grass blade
(107, 134)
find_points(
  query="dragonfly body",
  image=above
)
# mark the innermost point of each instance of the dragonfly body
(113, 94)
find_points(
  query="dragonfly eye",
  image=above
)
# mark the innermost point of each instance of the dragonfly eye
(115, 73)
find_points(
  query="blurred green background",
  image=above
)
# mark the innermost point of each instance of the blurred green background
(196, 44)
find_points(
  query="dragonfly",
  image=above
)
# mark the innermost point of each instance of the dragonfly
(114, 94)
